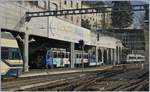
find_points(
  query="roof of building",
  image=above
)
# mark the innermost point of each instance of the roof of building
(109, 42)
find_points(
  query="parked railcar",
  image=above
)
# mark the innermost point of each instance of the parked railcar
(78, 58)
(135, 58)
(57, 58)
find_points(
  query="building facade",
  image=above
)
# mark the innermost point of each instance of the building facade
(12, 19)
(132, 39)
(95, 20)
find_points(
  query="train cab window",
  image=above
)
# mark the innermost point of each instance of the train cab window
(10, 53)
(69, 55)
(76, 55)
(14, 53)
(86, 56)
(4, 53)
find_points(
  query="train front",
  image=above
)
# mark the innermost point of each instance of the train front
(11, 60)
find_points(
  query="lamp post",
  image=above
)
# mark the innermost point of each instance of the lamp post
(25, 42)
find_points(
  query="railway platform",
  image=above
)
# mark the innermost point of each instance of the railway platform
(40, 72)
(115, 78)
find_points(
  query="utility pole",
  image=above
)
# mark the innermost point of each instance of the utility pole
(81, 43)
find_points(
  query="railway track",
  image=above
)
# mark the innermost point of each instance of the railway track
(27, 83)
(108, 80)
(138, 83)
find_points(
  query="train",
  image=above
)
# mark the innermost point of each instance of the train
(56, 58)
(135, 58)
(12, 62)
(11, 59)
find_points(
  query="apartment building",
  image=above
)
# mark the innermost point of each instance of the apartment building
(95, 19)
(67, 4)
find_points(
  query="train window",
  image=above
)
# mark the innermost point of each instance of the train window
(14, 53)
(59, 55)
(55, 55)
(139, 57)
(132, 57)
(67, 55)
(62, 55)
(49, 53)
(85, 56)
(79, 55)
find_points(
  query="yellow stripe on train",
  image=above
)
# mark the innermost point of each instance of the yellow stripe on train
(4, 68)
(9, 43)
(14, 62)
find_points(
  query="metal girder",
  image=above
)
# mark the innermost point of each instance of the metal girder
(103, 9)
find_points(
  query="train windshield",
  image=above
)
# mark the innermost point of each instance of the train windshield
(10, 53)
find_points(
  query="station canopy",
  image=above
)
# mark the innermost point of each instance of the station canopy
(109, 42)
(62, 30)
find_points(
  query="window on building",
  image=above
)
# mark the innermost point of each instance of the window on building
(71, 3)
(77, 5)
(93, 19)
(65, 2)
(34, 3)
(77, 19)
(60, 5)
(72, 18)
(20, 2)
(90, 18)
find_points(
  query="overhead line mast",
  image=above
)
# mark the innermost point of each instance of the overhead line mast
(30, 15)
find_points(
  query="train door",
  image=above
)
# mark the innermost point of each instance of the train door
(49, 59)
(55, 55)
(77, 60)
(92, 59)
(58, 59)
(85, 59)
(61, 58)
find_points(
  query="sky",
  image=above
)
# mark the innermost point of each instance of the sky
(138, 14)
